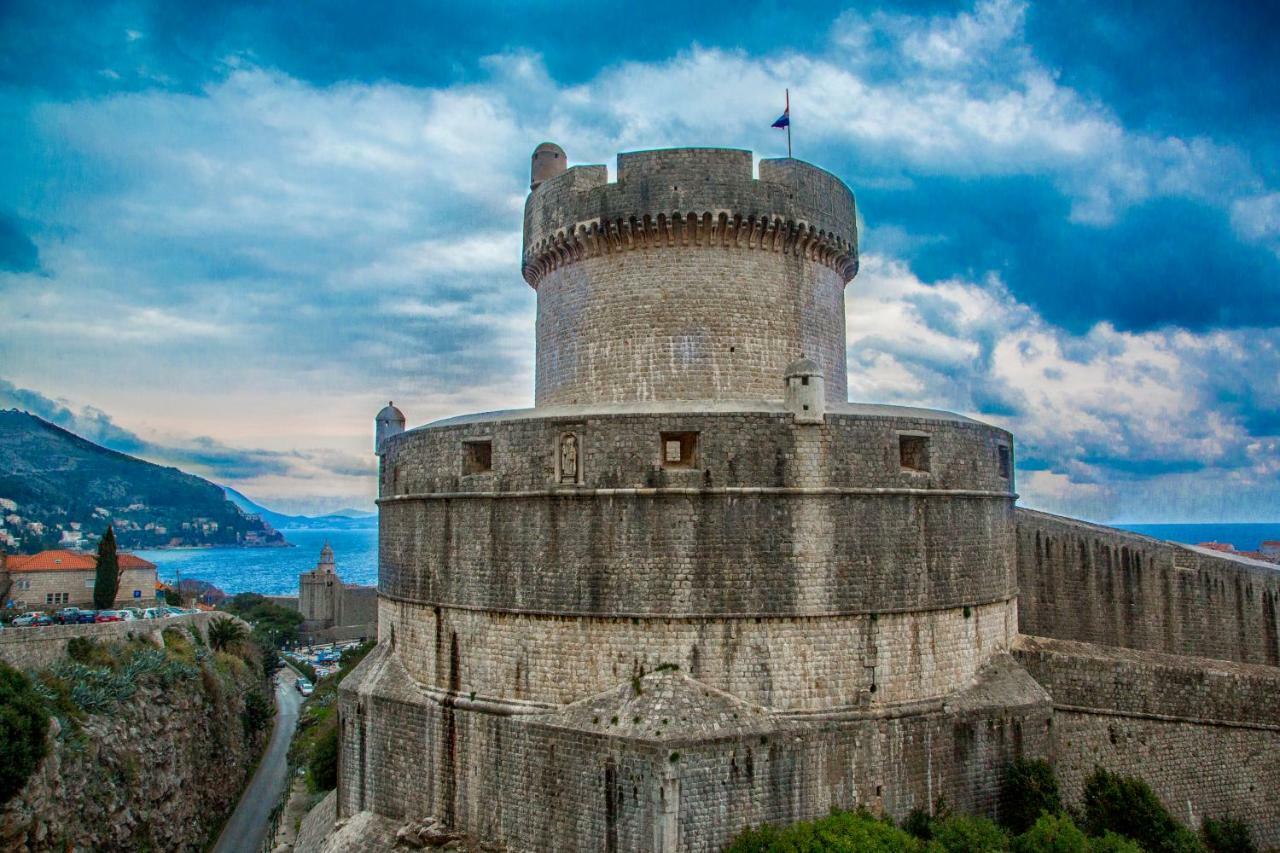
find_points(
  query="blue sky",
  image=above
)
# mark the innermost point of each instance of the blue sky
(229, 234)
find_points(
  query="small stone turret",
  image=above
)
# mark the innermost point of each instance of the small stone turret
(549, 160)
(389, 423)
(806, 396)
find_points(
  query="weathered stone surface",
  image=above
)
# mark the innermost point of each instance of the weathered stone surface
(667, 602)
(159, 770)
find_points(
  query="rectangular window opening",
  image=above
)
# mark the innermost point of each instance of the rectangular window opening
(679, 449)
(913, 452)
(1002, 457)
(477, 457)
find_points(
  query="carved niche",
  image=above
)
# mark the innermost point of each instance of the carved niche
(569, 458)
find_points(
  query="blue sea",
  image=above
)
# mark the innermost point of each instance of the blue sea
(274, 571)
(1245, 537)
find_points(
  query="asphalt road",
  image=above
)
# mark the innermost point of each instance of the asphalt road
(246, 831)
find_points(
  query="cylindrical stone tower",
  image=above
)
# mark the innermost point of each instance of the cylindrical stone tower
(687, 279)
(693, 580)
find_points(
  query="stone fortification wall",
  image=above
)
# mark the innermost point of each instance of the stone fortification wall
(1096, 584)
(787, 664)
(772, 518)
(688, 279)
(563, 781)
(1204, 733)
(30, 648)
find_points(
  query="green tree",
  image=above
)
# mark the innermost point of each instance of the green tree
(968, 834)
(324, 760)
(1227, 835)
(23, 723)
(106, 581)
(1030, 790)
(1127, 806)
(225, 632)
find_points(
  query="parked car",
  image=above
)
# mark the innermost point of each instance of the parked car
(305, 687)
(153, 613)
(88, 617)
(74, 616)
(110, 616)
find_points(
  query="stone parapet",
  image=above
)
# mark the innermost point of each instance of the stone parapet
(31, 648)
(1100, 585)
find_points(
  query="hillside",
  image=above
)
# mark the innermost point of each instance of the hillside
(59, 489)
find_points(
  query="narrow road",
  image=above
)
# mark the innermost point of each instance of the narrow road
(246, 831)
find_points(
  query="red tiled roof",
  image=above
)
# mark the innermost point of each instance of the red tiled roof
(68, 561)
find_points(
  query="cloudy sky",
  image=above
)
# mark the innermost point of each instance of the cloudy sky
(230, 232)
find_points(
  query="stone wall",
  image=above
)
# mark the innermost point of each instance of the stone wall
(1204, 733)
(30, 648)
(1096, 584)
(566, 781)
(158, 770)
(749, 275)
(774, 519)
(800, 664)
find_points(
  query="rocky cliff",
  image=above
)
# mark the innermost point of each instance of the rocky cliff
(149, 748)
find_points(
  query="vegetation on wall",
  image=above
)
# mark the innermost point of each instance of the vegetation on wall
(23, 723)
(118, 703)
(1119, 814)
(315, 744)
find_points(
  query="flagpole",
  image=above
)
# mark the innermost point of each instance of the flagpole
(788, 124)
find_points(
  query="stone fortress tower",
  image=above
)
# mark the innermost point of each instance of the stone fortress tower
(694, 588)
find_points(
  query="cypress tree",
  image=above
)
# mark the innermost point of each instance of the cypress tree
(106, 581)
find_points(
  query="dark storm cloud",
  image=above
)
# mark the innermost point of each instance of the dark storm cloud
(226, 194)
(1162, 262)
(1179, 66)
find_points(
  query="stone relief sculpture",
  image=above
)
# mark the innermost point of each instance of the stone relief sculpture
(569, 458)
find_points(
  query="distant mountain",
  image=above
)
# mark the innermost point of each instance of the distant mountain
(59, 490)
(343, 519)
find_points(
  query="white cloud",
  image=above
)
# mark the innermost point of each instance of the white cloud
(1130, 426)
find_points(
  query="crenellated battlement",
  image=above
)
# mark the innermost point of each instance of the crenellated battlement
(687, 278)
(690, 197)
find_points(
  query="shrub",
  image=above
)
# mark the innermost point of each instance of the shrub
(1227, 835)
(968, 834)
(1127, 806)
(23, 723)
(1112, 843)
(1053, 833)
(323, 766)
(88, 652)
(838, 831)
(918, 823)
(1030, 790)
